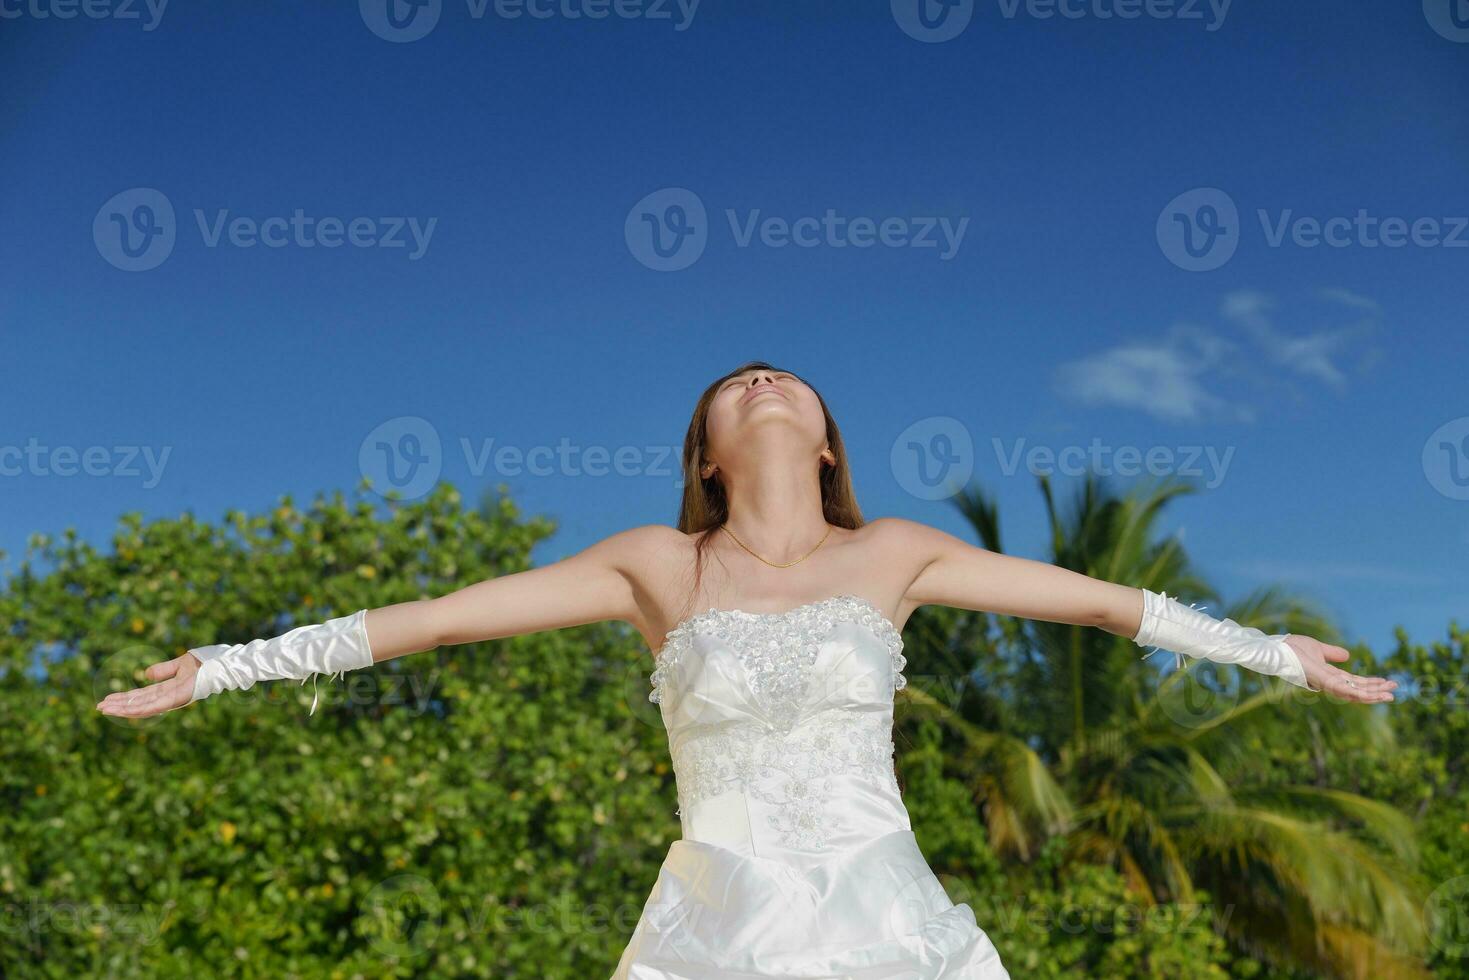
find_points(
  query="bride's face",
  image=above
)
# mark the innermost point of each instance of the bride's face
(763, 397)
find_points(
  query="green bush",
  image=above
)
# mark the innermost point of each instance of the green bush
(496, 809)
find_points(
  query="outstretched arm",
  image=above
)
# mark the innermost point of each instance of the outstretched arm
(594, 585)
(953, 572)
(956, 573)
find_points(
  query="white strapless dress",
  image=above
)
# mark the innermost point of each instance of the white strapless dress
(797, 857)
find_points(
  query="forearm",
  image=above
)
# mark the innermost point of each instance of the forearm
(333, 647)
(403, 628)
(959, 574)
(587, 587)
(1170, 625)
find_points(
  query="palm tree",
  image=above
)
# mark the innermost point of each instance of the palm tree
(1181, 779)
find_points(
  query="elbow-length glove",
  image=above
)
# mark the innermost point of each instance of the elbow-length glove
(1170, 625)
(333, 647)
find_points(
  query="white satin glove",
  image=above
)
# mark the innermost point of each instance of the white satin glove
(1170, 625)
(333, 647)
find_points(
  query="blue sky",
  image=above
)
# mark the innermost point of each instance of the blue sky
(1128, 262)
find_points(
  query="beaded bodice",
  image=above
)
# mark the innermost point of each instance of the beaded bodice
(780, 724)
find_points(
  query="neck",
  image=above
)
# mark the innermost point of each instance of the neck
(775, 506)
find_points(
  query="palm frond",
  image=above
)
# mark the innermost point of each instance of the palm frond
(1018, 773)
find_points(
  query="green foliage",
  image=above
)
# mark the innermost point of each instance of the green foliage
(1054, 918)
(501, 809)
(1198, 786)
(495, 809)
(1429, 777)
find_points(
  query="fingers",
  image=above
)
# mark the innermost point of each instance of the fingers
(1334, 654)
(145, 702)
(1364, 690)
(163, 670)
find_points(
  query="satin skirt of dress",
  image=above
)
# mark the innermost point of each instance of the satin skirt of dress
(871, 912)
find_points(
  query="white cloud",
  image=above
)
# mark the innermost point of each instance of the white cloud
(1311, 354)
(1348, 298)
(1175, 377)
(1165, 379)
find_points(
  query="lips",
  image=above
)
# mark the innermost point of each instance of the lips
(761, 389)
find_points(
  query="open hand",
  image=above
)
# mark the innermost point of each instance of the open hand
(175, 691)
(1333, 680)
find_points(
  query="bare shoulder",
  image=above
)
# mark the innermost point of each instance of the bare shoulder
(646, 548)
(905, 551)
(899, 539)
(651, 556)
(652, 559)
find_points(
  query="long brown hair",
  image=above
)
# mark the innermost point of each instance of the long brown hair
(705, 505)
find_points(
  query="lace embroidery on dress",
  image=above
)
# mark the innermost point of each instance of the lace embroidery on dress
(792, 763)
(777, 649)
(791, 771)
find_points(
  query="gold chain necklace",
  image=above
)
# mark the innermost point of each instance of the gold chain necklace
(782, 564)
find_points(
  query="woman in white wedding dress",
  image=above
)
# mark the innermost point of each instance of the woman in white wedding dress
(775, 613)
